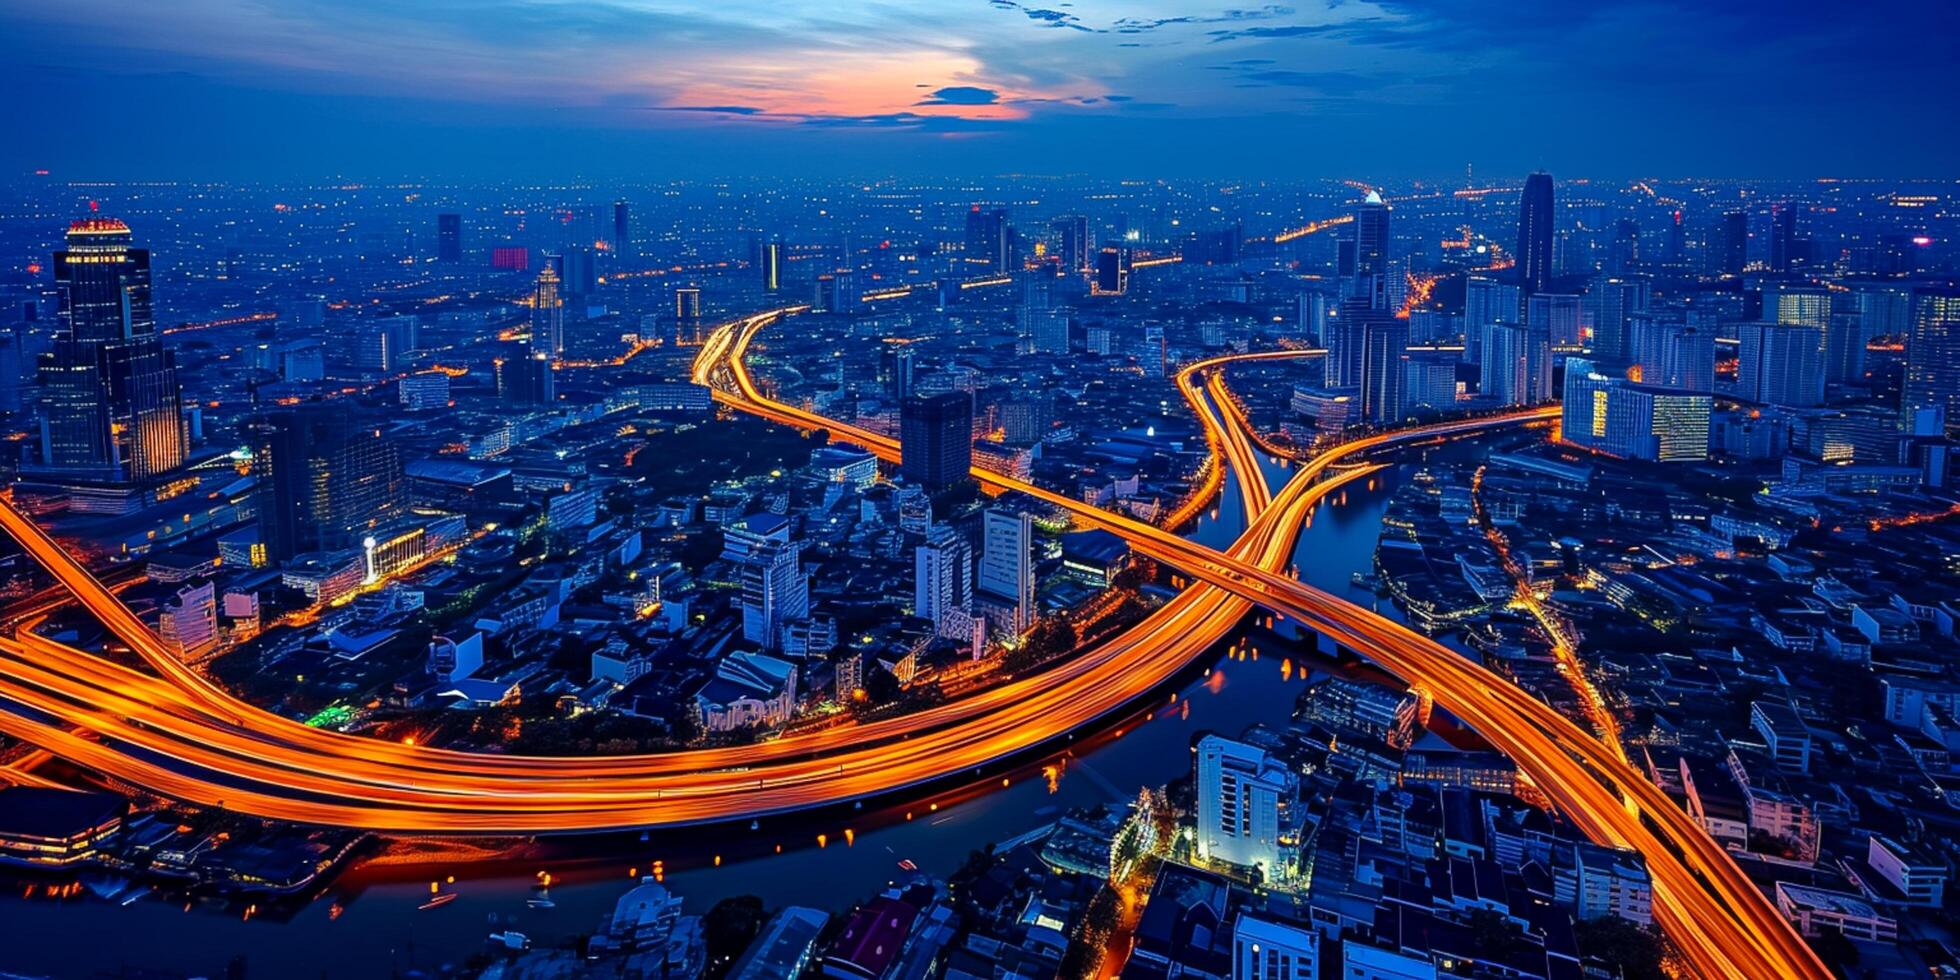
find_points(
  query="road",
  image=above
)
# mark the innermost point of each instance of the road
(184, 738)
(1719, 919)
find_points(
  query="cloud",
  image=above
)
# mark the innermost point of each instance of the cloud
(725, 110)
(962, 95)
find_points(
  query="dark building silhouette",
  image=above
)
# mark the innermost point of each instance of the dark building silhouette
(768, 261)
(524, 376)
(449, 238)
(988, 241)
(111, 408)
(1072, 237)
(1385, 346)
(622, 236)
(1371, 240)
(1534, 238)
(1113, 269)
(1732, 243)
(935, 438)
(325, 479)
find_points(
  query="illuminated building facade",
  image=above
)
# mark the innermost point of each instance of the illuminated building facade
(111, 409)
(548, 313)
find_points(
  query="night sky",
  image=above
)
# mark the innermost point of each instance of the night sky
(1418, 88)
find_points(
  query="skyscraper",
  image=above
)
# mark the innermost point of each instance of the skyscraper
(1781, 364)
(1384, 378)
(111, 408)
(987, 241)
(1007, 562)
(622, 234)
(1113, 270)
(548, 314)
(1486, 301)
(524, 376)
(1371, 242)
(935, 439)
(1612, 300)
(895, 372)
(1505, 369)
(687, 314)
(1932, 378)
(769, 265)
(1072, 242)
(449, 238)
(324, 479)
(1535, 236)
(1731, 243)
(1785, 249)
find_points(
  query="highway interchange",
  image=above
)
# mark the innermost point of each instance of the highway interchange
(174, 733)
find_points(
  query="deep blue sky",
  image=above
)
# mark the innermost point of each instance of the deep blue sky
(530, 88)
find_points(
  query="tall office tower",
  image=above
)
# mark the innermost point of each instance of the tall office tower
(1731, 251)
(622, 233)
(1505, 370)
(987, 241)
(1113, 270)
(1385, 346)
(111, 408)
(774, 589)
(1781, 364)
(1624, 257)
(1612, 300)
(449, 238)
(942, 579)
(895, 372)
(1930, 397)
(13, 369)
(524, 376)
(1844, 348)
(1674, 355)
(1677, 239)
(768, 263)
(1784, 248)
(1557, 317)
(1534, 237)
(1486, 301)
(1345, 342)
(1431, 380)
(687, 314)
(1072, 242)
(1371, 236)
(1313, 317)
(548, 314)
(935, 439)
(578, 270)
(1614, 416)
(1007, 562)
(324, 480)
(1244, 796)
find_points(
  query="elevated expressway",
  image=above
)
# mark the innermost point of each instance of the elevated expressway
(180, 736)
(175, 732)
(1720, 921)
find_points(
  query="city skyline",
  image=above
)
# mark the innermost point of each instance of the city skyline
(295, 89)
(1058, 491)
